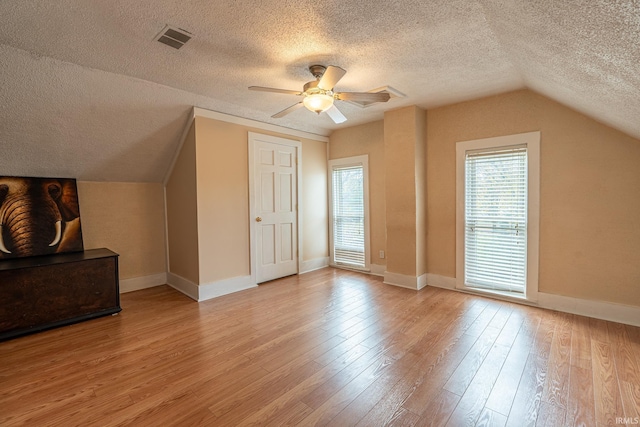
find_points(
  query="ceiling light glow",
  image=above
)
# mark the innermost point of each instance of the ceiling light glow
(318, 102)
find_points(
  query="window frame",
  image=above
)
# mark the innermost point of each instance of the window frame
(532, 141)
(363, 161)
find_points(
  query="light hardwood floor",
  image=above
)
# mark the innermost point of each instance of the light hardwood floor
(326, 348)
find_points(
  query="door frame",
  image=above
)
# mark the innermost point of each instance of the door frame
(253, 138)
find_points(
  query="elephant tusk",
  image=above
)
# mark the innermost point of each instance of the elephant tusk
(56, 240)
(3, 248)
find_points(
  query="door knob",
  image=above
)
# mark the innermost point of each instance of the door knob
(258, 219)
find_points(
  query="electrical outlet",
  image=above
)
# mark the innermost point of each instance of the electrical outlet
(381, 254)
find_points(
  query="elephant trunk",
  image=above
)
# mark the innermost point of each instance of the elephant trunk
(20, 235)
(18, 228)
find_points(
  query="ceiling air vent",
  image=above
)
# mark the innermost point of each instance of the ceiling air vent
(388, 89)
(174, 37)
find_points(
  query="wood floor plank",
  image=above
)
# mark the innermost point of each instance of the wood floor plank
(424, 382)
(214, 387)
(324, 414)
(608, 402)
(506, 385)
(627, 369)
(556, 388)
(179, 409)
(580, 343)
(445, 350)
(403, 418)
(289, 352)
(544, 335)
(473, 400)
(456, 308)
(580, 407)
(599, 330)
(331, 347)
(550, 415)
(468, 367)
(489, 418)
(438, 411)
(524, 411)
(477, 328)
(526, 404)
(260, 393)
(80, 409)
(630, 394)
(377, 390)
(323, 392)
(275, 408)
(290, 415)
(430, 381)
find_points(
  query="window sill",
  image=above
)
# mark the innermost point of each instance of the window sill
(347, 267)
(512, 296)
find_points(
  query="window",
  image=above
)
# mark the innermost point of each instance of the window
(497, 216)
(349, 207)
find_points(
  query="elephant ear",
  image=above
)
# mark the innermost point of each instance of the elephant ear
(68, 200)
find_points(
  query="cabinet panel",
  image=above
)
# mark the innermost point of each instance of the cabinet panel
(44, 292)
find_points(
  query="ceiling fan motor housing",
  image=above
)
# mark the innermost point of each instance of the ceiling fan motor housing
(317, 70)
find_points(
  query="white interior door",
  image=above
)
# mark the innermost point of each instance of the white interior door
(274, 206)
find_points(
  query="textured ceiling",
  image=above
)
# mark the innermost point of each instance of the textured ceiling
(86, 91)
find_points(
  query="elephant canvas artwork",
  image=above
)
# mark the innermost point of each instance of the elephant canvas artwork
(38, 216)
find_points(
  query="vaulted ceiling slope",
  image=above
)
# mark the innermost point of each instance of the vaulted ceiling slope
(87, 92)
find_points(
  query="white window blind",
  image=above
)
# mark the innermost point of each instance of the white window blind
(348, 216)
(495, 254)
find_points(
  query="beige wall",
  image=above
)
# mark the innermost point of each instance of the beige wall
(367, 139)
(182, 215)
(216, 164)
(223, 200)
(314, 201)
(400, 143)
(127, 218)
(421, 191)
(589, 191)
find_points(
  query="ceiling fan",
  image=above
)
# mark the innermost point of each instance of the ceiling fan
(319, 95)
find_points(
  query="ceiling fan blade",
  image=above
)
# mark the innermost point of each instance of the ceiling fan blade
(330, 77)
(364, 96)
(271, 89)
(336, 115)
(287, 110)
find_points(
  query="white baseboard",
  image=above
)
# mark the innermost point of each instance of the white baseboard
(314, 264)
(183, 285)
(377, 270)
(441, 281)
(142, 282)
(404, 281)
(209, 290)
(613, 312)
(224, 287)
(422, 281)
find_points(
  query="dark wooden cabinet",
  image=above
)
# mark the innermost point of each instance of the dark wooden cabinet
(44, 292)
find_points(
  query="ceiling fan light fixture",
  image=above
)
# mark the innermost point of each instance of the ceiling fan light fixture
(319, 96)
(318, 102)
